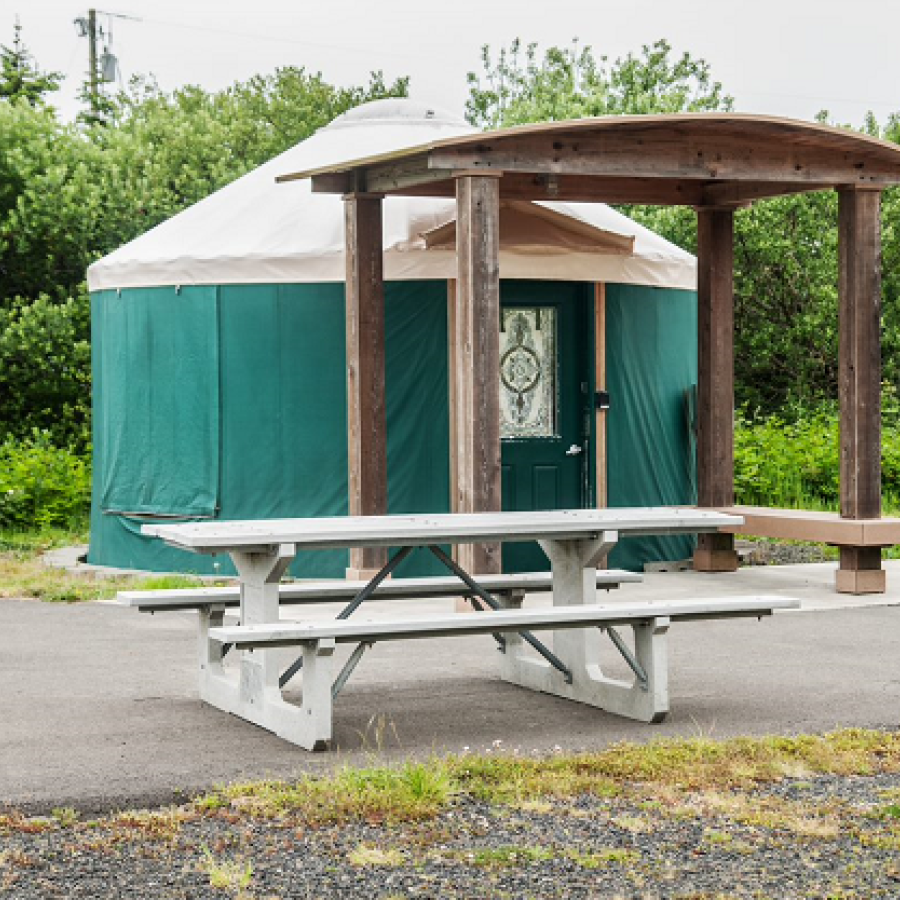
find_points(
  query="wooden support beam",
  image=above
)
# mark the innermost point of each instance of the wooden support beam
(669, 153)
(859, 380)
(715, 381)
(476, 360)
(740, 193)
(366, 419)
(416, 181)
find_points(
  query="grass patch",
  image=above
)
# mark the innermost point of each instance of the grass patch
(27, 576)
(166, 582)
(602, 859)
(664, 771)
(23, 573)
(382, 794)
(508, 857)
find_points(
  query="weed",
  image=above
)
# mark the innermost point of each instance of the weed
(15, 859)
(162, 825)
(599, 859)
(231, 875)
(365, 855)
(632, 824)
(66, 816)
(805, 820)
(507, 857)
(712, 836)
(534, 806)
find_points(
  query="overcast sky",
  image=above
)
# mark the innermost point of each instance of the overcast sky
(785, 57)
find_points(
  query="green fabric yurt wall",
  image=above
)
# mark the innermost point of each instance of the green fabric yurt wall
(230, 402)
(651, 361)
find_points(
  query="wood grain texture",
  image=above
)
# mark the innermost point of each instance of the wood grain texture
(741, 144)
(477, 360)
(859, 380)
(715, 379)
(366, 417)
(859, 376)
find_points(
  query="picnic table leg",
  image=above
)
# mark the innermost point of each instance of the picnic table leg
(256, 695)
(210, 652)
(260, 574)
(574, 582)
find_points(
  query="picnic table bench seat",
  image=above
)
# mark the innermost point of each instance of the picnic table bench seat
(645, 698)
(302, 592)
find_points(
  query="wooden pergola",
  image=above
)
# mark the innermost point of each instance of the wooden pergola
(716, 163)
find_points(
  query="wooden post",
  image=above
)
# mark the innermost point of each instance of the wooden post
(715, 381)
(476, 359)
(859, 381)
(366, 420)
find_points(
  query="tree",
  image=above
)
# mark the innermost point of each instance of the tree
(786, 264)
(570, 83)
(70, 194)
(20, 77)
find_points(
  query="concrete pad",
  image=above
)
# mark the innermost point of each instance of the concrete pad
(99, 708)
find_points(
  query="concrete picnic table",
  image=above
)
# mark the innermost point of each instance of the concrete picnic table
(574, 542)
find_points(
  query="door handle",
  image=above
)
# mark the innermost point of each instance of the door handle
(574, 450)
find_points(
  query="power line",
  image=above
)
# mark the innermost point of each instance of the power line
(244, 35)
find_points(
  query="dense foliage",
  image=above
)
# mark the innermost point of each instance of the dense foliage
(785, 249)
(793, 460)
(42, 485)
(71, 193)
(571, 83)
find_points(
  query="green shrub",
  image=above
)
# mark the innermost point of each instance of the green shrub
(795, 462)
(45, 369)
(42, 485)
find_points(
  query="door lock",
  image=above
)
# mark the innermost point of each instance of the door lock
(574, 450)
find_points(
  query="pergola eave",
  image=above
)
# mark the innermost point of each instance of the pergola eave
(666, 160)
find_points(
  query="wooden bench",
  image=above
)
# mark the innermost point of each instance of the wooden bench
(860, 540)
(645, 698)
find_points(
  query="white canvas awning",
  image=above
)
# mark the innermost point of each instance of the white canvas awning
(255, 231)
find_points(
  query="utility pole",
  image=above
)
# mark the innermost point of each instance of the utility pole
(103, 69)
(93, 88)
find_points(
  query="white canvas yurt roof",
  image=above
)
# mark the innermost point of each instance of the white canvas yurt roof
(257, 231)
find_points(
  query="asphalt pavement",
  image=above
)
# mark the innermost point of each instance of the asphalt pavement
(99, 706)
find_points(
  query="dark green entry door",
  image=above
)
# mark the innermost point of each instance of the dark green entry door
(545, 389)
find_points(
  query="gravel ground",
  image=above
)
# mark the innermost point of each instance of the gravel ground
(761, 552)
(826, 837)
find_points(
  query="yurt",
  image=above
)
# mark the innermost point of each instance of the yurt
(219, 359)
